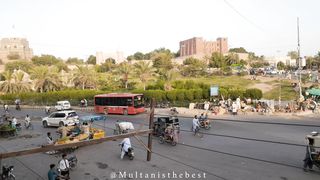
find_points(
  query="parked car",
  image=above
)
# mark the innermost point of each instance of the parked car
(63, 105)
(61, 118)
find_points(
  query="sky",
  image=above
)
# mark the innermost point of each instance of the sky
(79, 28)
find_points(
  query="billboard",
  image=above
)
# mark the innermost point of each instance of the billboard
(214, 90)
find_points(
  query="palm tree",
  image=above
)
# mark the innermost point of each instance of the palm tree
(22, 85)
(46, 79)
(124, 70)
(84, 77)
(8, 86)
(144, 71)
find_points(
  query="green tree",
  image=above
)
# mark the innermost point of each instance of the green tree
(124, 70)
(22, 85)
(92, 60)
(8, 86)
(45, 79)
(84, 77)
(16, 65)
(62, 66)
(232, 58)
(107, 66)
(280, 65)
(44, 60)
(193, 67)
(162, 60)
(217, 60)
(74, 60)
(144, 71)
(238, 50)
(138, 56)
(293, 54)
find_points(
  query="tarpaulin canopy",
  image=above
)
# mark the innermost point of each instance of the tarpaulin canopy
(313, 91)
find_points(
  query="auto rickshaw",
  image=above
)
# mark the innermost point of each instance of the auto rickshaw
(162, 122)
(314, 153)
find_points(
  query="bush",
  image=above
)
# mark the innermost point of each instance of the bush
(206, 93)
(197, 94)
(159, 95)
(171, 95)
(50, 98)
(223, 92)
(235, 93)
(190, 84)
(178, 84)
(189, 95)
(253, 93)
(180, 95)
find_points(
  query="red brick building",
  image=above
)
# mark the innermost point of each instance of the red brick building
(199, 47)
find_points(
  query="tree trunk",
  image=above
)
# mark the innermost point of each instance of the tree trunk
(144, 86)
(83, 86)
(126, 84)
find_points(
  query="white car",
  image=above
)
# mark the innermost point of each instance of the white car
(63, 105)
(61, 118)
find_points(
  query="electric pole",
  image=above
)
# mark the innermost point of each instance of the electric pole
(299, 60)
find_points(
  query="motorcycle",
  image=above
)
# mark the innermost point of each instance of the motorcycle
(18, 108)
(47, 110)
(7, 173)
(73, 161)
(129, 153)
(18, 127)
(205, 124)
(28, 125)
(169, 138)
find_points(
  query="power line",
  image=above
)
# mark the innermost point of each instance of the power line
(248, 139)
(241, 156)
(240, 14)
(185, 164)
(23, 164)
(253, 122)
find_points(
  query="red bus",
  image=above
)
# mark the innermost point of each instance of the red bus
(119, 103)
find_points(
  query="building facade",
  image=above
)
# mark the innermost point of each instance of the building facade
(200, 47)
(15, 48)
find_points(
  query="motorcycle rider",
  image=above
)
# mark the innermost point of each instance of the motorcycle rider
(47, 109)
(125, 145)
(64, 166)
(52, 174)
(27, 121)
(195, 124)
(14, 122)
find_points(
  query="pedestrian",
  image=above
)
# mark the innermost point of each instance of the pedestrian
(49, 138)
(310, 151)
(64, 166)
(234, 108)
(52, 174)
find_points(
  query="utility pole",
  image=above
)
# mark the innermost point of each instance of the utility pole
(299, 60)
(151, 117)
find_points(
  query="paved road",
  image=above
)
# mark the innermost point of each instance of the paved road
(217, 156)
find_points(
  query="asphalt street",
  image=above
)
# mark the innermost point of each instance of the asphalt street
(235, 148)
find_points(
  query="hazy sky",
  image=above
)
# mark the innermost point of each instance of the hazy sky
(78, 28)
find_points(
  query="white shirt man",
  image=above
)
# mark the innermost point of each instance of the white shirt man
(27, 120)
(64, 165)
(126, 144)
(14, 122)
(195, 123)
